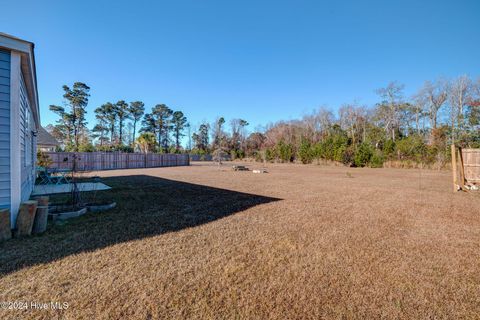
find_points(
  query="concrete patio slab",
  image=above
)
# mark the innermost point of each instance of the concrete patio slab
(67, 187)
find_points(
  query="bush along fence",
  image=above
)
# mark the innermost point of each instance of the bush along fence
(87, 161)
(200, 157)
(207, 157)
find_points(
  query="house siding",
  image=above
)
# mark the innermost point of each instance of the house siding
(27, 143)
(4, 128)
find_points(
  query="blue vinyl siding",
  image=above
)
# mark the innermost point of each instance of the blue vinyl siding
(5, 73)
(27, 143)
(4, 128)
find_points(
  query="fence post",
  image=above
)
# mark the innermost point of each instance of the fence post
(454, 167)
(462, 172)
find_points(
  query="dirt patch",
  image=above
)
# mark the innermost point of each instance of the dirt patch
(298, 242)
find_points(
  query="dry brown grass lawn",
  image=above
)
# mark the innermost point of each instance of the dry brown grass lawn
(301, 242)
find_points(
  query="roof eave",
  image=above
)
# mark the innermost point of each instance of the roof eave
(26, 48)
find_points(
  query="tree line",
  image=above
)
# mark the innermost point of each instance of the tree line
(415, 129)
(161, 130)
(397, 130)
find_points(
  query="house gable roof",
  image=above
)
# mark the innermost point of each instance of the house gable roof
(46, 139)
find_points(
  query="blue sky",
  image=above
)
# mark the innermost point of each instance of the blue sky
(262, 61)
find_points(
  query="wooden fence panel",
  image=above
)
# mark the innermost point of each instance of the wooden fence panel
(135, 160)
(98, 158)
(92, 161)
(108, 161)
(471, 164)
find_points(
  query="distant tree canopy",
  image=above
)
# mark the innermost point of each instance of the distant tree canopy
(136, 110)
(72, 122)
(415, 129)
(179, 122)
(146, 142)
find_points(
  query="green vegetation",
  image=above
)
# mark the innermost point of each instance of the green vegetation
(43, 160)
(396, 130)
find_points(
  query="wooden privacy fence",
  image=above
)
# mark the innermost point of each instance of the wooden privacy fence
(471, 164)
(467, 162)
(90, 161)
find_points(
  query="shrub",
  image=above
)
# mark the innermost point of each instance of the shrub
(69, 147)
(377, 160)
(259, 155)
(172, 149)
(347, 155)
(269, 154)
(123, 148)
(305, 152)
(389, 148)
(43, 160)
(237, 154)
(332, 148)
(104, 148)
(284, 151)
(86, 147)
(411, 148)
(317, 150)
(199, 152)
(363, 155)
(337, 153)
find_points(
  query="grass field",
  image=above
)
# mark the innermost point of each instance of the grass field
(301, 242)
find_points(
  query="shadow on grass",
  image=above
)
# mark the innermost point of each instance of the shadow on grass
(146, 206)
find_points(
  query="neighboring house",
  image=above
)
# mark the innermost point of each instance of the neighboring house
(45, 141)
(19, 122)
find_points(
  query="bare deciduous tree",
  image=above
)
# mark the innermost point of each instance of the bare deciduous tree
(459, 91)
(352, 120)
(325, 119)
(431, 97)
(392, 96)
